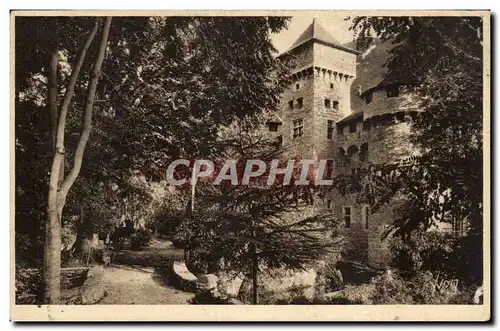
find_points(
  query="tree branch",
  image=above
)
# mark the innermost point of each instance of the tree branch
(89, 105)
(71, 89)
(52, 102)
(446, 42)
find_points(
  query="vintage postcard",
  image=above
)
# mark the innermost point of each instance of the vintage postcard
(250, 166)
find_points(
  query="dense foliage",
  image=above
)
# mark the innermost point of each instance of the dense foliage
(442, 57)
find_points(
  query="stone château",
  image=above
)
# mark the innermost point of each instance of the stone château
(339, 107)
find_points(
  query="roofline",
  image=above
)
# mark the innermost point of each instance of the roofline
(379, 86)
(343, 48)
(351, 117)
(382, 85)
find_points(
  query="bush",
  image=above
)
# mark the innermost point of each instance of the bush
(140, 238)
(423, 251)
(29, 250)
(27, 286)
(440, 253)
(355, 273)
(356, 294)
(391, 288)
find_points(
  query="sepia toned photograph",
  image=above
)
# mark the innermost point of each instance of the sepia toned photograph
(313, 166)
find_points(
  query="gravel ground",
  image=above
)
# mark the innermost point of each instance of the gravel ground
(127, 285)
(134, 284)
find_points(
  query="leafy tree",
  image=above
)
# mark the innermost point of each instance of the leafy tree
(58, 190)
(245, 228)
(41, 44)
(196, 77)
(164, 91)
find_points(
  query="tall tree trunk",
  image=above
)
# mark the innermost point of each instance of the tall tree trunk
(255, 275)
(255, 269)
(190, 213)
(52, 103)
(58, 192)
(52, 100)
(52, 231)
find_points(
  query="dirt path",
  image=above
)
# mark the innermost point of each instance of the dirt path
(133, 284)
(127, 285)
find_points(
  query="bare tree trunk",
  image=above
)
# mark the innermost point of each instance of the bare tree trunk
(52, 102)
(58, 193)
(50, 274)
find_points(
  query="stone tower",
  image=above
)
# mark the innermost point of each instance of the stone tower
(318, 94)
(338, 107)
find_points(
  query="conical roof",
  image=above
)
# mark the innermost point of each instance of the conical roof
(316, 32)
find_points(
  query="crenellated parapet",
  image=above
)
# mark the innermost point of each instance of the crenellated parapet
(333, 75)
(325, 74)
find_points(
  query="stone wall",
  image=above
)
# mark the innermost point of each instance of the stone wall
(321, 72)
(334, 87)
(93, 289)
(390, 142)
(328, 87)
(302, 146)
(334, 58)
(382, 130)
(79, 285)
(381, 104)
(384, 139)
(70, 277)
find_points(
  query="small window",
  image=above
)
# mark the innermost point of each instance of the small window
(336, 105)
(299, 103)
(369, 98)
(347, 216)
(329, 169)
(392, 91)
(352, 127)
(273, 127)
(331, 85)
(290, 104)
(355, 171)
(329, 204)
(297, 86)
(298, 128)
(279, 141)
(330, 128)
(328, 103)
